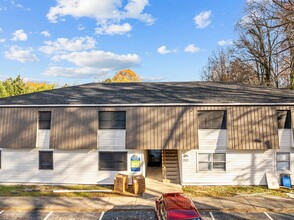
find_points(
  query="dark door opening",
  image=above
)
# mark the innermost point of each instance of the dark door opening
(154, 158)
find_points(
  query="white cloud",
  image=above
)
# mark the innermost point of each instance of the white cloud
(21, 55)
(65, 44)
(92, 63)
(46, 33)
(163, 50)
(17, 5)
(83, 72)
(191, 48)
(203, 19)
(114, 29)
(19, 35)
(104, 12)
(225, 42)
(99, 58)
(1, 29)
(152, 79)
(2, 40)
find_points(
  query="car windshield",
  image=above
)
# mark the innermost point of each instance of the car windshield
(183, 214)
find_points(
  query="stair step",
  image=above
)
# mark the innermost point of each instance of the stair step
(171, 158)
(171, 165)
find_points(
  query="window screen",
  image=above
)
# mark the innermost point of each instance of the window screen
(284, 119)
(113, 161)
(112, 120)
(283, 161)
(212, 120)
(44, 120)
(46, 160)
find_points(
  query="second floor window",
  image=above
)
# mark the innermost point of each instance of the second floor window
(44, 120)
(112, 120)
(284, 119)
(212, 119)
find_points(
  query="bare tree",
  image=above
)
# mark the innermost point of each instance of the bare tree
(224, 66)
(283, 13)
(260, 42)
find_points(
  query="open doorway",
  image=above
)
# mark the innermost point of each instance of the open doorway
(154, 165)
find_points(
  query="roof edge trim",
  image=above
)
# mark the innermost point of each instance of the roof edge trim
(151, 105)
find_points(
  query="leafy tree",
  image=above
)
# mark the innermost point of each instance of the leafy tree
(125, 76)
(17, 86)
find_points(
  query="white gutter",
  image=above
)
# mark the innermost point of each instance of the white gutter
(152, 105)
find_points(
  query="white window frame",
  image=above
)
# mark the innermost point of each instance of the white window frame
(288, 161)
(211, 162)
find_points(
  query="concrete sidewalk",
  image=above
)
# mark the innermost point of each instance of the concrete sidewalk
(76, 204)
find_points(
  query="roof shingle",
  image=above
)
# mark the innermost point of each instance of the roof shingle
(154, 93)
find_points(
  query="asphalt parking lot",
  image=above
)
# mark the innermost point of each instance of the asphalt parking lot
(135, 214)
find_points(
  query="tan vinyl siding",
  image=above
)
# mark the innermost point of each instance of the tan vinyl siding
(162, 128)
(18, 127)
(253, 128)
(74, 128)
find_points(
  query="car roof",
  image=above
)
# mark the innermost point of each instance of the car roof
(177, 201)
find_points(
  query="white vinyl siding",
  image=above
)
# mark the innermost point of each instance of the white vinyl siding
(70, 167)
(111, 139)
(213, 139)
(285, 137)
(242, 168)
(43, 139)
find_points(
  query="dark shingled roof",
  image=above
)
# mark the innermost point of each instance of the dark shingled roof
(155, 93)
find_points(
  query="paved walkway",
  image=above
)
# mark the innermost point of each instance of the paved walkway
(237, 204)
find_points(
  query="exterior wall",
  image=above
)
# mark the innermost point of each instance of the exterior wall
(162, 128)
(252, 128)
(70, 167)
(111, 139)
(74, 128)
(246, 167)
(18, 127)
(43, 139)
(213, 139)
(285, 137)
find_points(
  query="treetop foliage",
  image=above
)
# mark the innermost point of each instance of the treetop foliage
(18, 86)
(124, 76)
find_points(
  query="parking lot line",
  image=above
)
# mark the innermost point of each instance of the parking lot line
(211, 215)
(101, 216)
(48, 216)
(268, 216)
(1, 212)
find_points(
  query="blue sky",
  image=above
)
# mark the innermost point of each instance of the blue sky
(80, 41)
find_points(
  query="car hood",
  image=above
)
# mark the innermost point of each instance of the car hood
(182, 214)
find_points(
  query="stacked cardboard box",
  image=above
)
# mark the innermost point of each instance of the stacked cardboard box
(121, 183)
(138, 183)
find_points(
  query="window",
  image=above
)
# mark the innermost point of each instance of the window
(112, 120)
(283, 161)
(44, 120)
(46, 160)
(211, 162)
(113, 161)
(284, 119)
(212, 120)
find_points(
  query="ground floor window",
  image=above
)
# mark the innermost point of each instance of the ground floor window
(46, 160)
(113, 161)
(283, 161)
(211, 162)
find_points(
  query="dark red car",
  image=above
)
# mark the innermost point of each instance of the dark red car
(174, 206)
